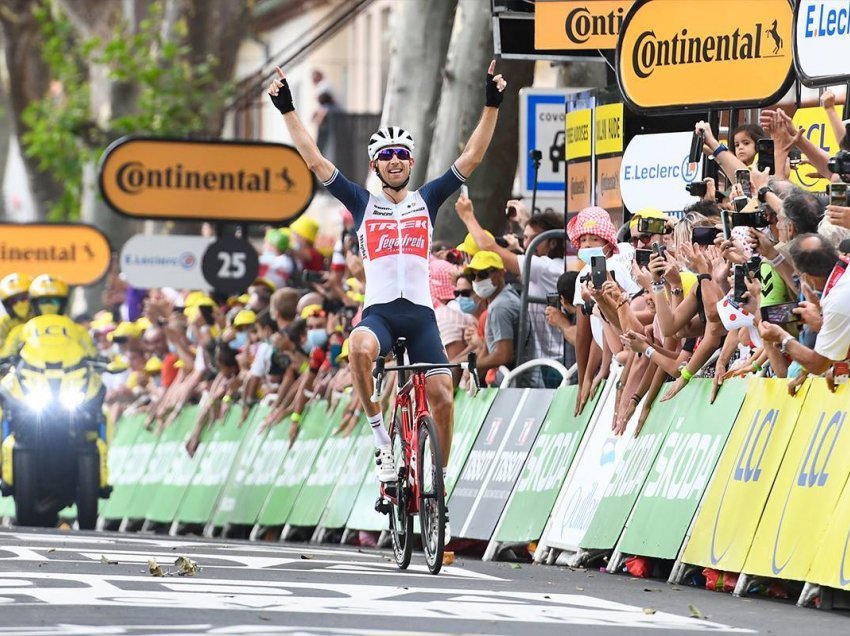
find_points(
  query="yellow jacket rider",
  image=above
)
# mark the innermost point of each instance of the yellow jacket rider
(14, 294)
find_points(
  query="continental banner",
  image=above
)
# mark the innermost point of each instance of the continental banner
(578, 24)
(496, 460)
(544, 471)
(735, 499)
(804, 497)
(681, 471)
(630, 474)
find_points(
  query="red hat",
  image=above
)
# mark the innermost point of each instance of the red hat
(593, 220)
(441, 276)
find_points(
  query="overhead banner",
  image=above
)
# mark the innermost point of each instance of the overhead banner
(152, 260)
(817, 129)
(77, 253)
(810, 480)
(822, 41)
(735, 499)
(671, 55)
(205, 180)
(578, 24)
(655, 171)
(608, 129)
(681, 472)
(579, 134)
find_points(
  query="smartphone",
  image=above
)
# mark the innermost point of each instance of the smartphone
(696, 148)
(740, 203)
(553, 300)
(598, 271)
(727, 226)
(764, 148)
(642, 257)
(837, 194)
(742, 176)
(740, 286)
(697, 189)
(659, 248)
(501, 241)
(464, 191)
(780, 314)
(749, 219)
(704, 235)
(840, 372)
(795, 158)
(651, 226)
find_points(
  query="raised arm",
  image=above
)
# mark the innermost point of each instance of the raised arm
(281, 97)
(473, 153)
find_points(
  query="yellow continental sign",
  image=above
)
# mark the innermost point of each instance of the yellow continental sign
(205, 180)
(807, 487)
(578, 24)
(608, 129)
(578, 126)
(673, 54)
(816, 128)
(732, 505)
(79, 254)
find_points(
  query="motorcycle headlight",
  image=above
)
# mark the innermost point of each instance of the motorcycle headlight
(72, 399)
(39, 398)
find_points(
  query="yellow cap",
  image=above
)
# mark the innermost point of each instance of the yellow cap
(102, 321)
(153, 365)
(310, 310)
(343, 354)
(244, 318)
(118, 363)
(143, 323)
(485, 260)
(126, 330)
(646, 213)
(266, 282)
(469, 245)
(192, 298)
(305, 227)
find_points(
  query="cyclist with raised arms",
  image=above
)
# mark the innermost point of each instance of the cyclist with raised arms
(394, 233)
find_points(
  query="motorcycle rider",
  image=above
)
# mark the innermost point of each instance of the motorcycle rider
(14, 294)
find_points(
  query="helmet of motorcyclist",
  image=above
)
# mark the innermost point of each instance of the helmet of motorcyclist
(14, 294)
(49, 295)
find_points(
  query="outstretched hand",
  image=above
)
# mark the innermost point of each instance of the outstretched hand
(494, 87)
(280, 94)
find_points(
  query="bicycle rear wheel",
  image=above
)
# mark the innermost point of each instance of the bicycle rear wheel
(432, 504)
(401, 522)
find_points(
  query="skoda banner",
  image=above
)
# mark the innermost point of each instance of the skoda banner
(655, 171)
(822, 41)
(674, 55)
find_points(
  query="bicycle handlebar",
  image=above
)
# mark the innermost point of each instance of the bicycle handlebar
(380, 369)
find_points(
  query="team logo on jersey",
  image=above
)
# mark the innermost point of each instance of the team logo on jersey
(389, 238)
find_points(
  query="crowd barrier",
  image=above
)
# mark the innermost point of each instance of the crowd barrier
(755, 484)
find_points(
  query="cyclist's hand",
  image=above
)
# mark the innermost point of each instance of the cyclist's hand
(280, 94)
(494, 87)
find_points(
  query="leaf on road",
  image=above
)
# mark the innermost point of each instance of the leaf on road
(649, 611)
(579, 589)
(516, 566)
(154, 569)
(186, 566)
(651, 589)
(51, 550)
(306, 557)
(695, 612)
(106, 561)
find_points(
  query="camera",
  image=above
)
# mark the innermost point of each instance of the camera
(697, 189)
(652, 226)
(553, 300)
(840, 163)
(587, 307)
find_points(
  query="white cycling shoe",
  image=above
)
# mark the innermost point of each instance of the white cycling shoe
(385, 463)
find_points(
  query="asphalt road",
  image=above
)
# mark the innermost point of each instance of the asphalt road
(98, 584)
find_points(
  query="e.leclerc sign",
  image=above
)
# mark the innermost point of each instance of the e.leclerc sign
(205, 180)
(822, 41)
(674, 55)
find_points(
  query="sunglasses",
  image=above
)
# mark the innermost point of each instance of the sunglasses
(466, 293)
(387, 153)
(484, 273)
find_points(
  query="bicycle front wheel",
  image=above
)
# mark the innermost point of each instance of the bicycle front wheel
(432, 503)
(401, 521)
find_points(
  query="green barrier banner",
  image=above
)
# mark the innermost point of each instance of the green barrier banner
(178, 475)
(296, 466)
(469, 416)
(734, 502)
(543, 474)
(158, 459)
(214, 470)
(251, 443)
(681, 471)
(325, 472)
(629, 475)
(124, 470)
(357, 465)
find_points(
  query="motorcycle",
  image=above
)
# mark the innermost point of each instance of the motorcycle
(54, 450)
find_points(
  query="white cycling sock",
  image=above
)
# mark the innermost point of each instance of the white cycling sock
(379, 433)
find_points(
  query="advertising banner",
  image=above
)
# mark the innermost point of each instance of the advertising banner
(149, 260)
(831, 566)
(358, 465)
(237, 181)
(733, 504)
(543, 474)
(608, 129)
(822, 41)
(810, 480)
(816, 129)
(608, 194)
(542, 113)
(470, 414)
(681, 471)
(579, 127)
(578, 24)
(671, 54)
(124, 473)
(630, 474)
(655, 171)
(79, 254)
(580, 192)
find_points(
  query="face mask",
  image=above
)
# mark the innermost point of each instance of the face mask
(466, 304)
(317, 338)
(483, 288)
(586, 253)
(239, 341)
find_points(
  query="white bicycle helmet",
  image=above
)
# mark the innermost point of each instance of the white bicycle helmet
(389, 137)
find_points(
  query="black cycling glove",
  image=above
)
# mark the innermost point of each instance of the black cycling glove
(283, 100)
(492, 95)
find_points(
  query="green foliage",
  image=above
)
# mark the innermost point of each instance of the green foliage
(171, 95)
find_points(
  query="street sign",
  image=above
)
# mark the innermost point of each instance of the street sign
(230, 265)
(205, 180)
(542, 127)
(78, 254)
(152, 260)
